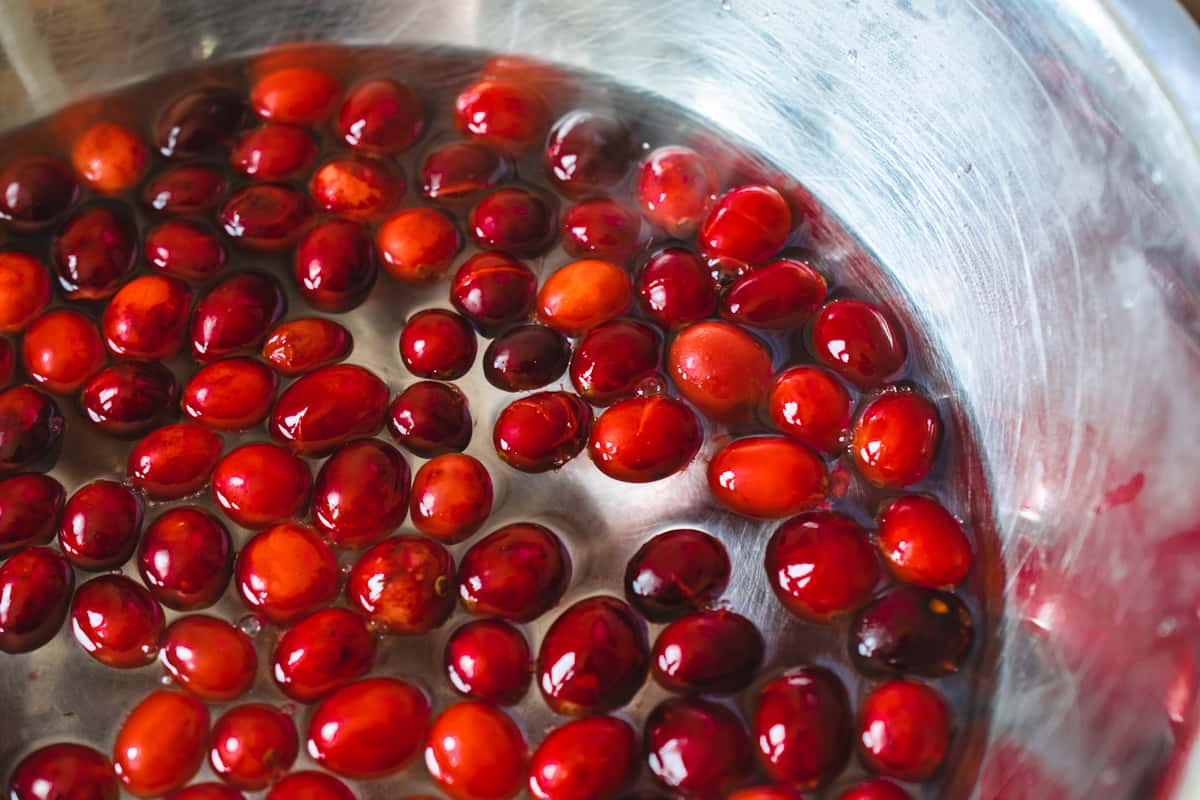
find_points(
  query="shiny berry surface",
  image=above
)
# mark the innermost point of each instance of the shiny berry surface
(272, 152)
(911, 630)
(613, 358)
(199, 121)
(109, 157)
(749, 225)
(585, 759)
(459, 170)
(588, 152)
(100, 525)
(778, 296)
(63, 771)
(285, 572)
(542, 431)
(493, 289)
(696, 746)
(185, 251)
(878, 789)
(821, 564)
(582, 295)
(209, 657)
(234, 316)
(334, 266)
(430, 419)
(768, 477)
(517, 572)
(923, 543)
(61, 350)
(303, 345)
(147, 318)
(368, 729)
(299, 95)
(809, 405)
(644, 439)
(903, 730)
(437, 344)
(266, 216)
(475, 752)
(31, 429)
(451, 497)
(95, 251)
(117, 622)
(601, 229)
(710, 652)
(30, 506)
(801, 727)
(489, 660)
(261, 484)
(895, 439)
(594, 658)
(35, 585)
(328, 407)
(404, 584)
(173, 461)
(310, 785)
(252, 746)
(417, 245)
(24, 290)
(675, 189)
(321, 652)
(361, 493)
(675, 288)
(35, 191)
(130, 397)
(504, 115)
(184, 190)
(516, 221)
(380, 116)
(859, 342)
(356, 187)
(526, 357)
(675, 573)
(719, 368)
(161, 743)
(230, 395)
(185, 558)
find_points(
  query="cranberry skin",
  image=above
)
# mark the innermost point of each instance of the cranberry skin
(199, 121)
(368, 729)
(601, 229)
(361, 493)
(253, 745)
(923, 543)
(593, 658)
(209, 657)
(161, 743)
(585, 759)
(918, 631)
(266, 216)
(821, 564)
(24, 290)
(303, 345)
(117, 622)
(722, 370)
(173, 461)
(186, 189)
(147, 318)
(675, 188)
(184, 251)
(451, 498)
(711, 652)
(100, 525)
(749, 225)
(588, 152)
(321, 652)
(676, 289)
(613, 358)
(129, 398)
(272, 152)
(31, 429)
(904, 730)
(334, 266)
(310, 785)
(781, 295)
(516, 221)
(64, 771)
(437, 344)
(489, 660)
(109, 157)
(696, 746)
(526, 357)
(802, 727)
(877, 789)
(61, 350)
(475, 752)
(95, 251)
(675, 573)
(260, 484)
(356, 187)
(582, 295)
(542, 431)
(417, 245)
(328, 407)
(285, 572)
(505, 115)
(517, 573)
(430, 419)
(859, 342)
(458, 170)
(36, 585)
(29, 509)
(381, 116)
(811, 406)
(299, 95)
(896, 438)
(404, 584)
(645, 439)
(35, 191)
(493, 289)
(230, 395)
(768, 477)
(185, 558)
(235, 315)
(207, 791)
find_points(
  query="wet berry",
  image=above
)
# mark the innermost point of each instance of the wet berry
(709, 652)
(328, 407)
(585, 759)
(116, 622)
(912, 630)
(768, 477)
(811, 406)
(779, 296)
(147, 318)
(61, 350)
(475, 752)
(380, 116)
(209, 657)
(437, 344)
(199, 121)
(517, 572)
(489, 660)
(185, 558)
(299, 95)
(451, 497)
(417, 245)
(675, 288)
(644, 439)
(173, 461)
(404, 584)
(253, 745)
(230, 395)
(613, 358)
(361, 493)
(272, 152)
(184, 190)
(896, 438)
(801, 726)
(504, 115)
(722, 370)
(24, 290)
(458, 170)
(821, 564)
(747, 225)
(29, 510)
(588, 152)
(8, 362)
(493, 289)
(923, 543)
(675, 573)
(859, 342)
(675, 189)
(516, 221)
(285, 572)
(160, 744)
(601, 229)
(100, 525)
(35, 588)
(368, 729)
(31, 430)
(321, 652)
(303, 345)
(526, 357)
(128, 398)
(261, 484)
(593, 658)
(582, 295)
(877, 789)
(430, 419)
(266, 216)
(542, 431)
(35, 191)
(63, 771)
(185, 251)
(334, 266)
(904, 730)
(234, 316)
(356, 187)
(310, 785)
(95, 251)
(696, 746)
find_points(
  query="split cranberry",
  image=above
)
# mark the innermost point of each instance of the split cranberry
(186, 189)
(517, 572)
(328, 407)
(286, 571)
(675, 573)
(356, 187)
(266, 216)
(368, 729)
(200, 121)
(904, 730)
(261, 484)
(185, 251)
(321, 652)
(676, 288)
(209, 657)
(24, 290)
(675, 189)
(896, 438)
(918, 631)
(489, 660)
(361, 493)
(526, 357)
(381, 116)
(437, 344)
(100, 525)
(821, 564)
(724, 371)
(29, 510)
(310, 785)
(588, 152)
(877, 789)
(35, 585)
(430, 419)
(612, 359)
(859, 342)
(516, 221)
(779, 296)
(451, 497)
(710, 652)
(207, 791)
(802, 727)
(129, 398)
(923, 543)
(116, 622)
(173, 461)
(505, 115)
(748, 225)
(272, 152)
(493, 289)
(811, 406)
(185, 558)
(601, 229)
(31, 429)
(230, 395)
(299, 95)
(645, 439)
(585, 759)
(768, 477)
(147, 318)
(160, 744)
(417, 245)
(475, 752)
(542, 431)
(61, 350)
(696, 746)
(334, 266)
(64, 771)
(303, 345)
(35, 191)
(404, 584)
(593, 658)
(95, 251)
(582, 295)
(459, 170)
(235, 315)
(253, 746)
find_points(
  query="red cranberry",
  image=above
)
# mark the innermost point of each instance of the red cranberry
(266, 216)
(160, 744)
(780, 296)
(724, 371)
(63, 771)
(231, 394)
(185, 559)
(129, 398)
(29, 510)
(173, 461)
(918, 631)
(235, 315)
(328, 407)
(711, 652)
(185, 251)
(896, 438)
(381, 116)
(299, 95)
(904, 730)
(748, 225)
(116, 622)
(493, 289)
(147, 318)
(272, 152)
(766, 793)
(209, 657)
(100, 525)
(8, 362)
(517, 572)
(923, 543)
(253, 745)
(582, 295)
(202, 120)
(696, 746)
(506, 115)
(877, 789)
(451, 497)
(24, 290)
(430, 419)
(31, 429)
(286, 571)
(475, 752)
(526, 357)
(859, 342)
(357, 187)
(303, 345)
(588, 152)
(821, 564)
(186, 189)
(811, 406)
(368, 729)
(95, 251)
(35, 191)
(321, 652)
(417, 245)
(542, 431)
(310, 785)
(437, 344)
(35, 586)
(489, 660)
(109, 157)
(675, 189)
(61, 350)
(676, 288)
(404, 584)
(585, 758)
(361, 493)
(261, 484)
(516, 221)
(593, 658)
(601, 229)
(768, 477)
(802, 727)
(207, 791)
(613, 358)
(645, 439)
(334, 266)
(675, 573)
(459, 170)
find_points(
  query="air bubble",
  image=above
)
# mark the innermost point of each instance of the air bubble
(726, 6)
(165, 679)
(852, 56)
(251, 625)
(653, 386)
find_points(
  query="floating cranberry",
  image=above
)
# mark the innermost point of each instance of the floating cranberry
(675, 189)
(542, 431)
(147, 318)
(437, 344)
(116, 622)
(64, 771)
(918, 631)
(286, 571)
(235, 315)
(29, 509)
(130, 397)
(417, 245)
(526, 357)
(768, 477)
(253, 746)
(675, 573)
(368, 729)
(721, 369)
(781, 295)
(517, 572)
(430, 419)
(489, 660)
(321, 652)
(811, 406)
(261, 484)
(61, 350)
(594, 657)
(266, 216)
(35, 586)
(328, 407)
(207, 791)
(334, 266)
(821, 564)
(310, 785)
(299, 95)
(506, 115)
(710, 652)
(356, 187)
(186, 189)
(209, 657)
(613, 358)
(749, 225)
(859, 342)
(676, 288)
(904, 730)
(459, 170)
(272, 152)
(696, 746)
(550, 80)
(923, 543)
(404, 584)
(585, 759)
(35, 191)
(185, 251)
(451, 497)
(802, 727)
(493, 289)
(173, 461)
(645, 439)
(230, 395)
(475, 752)
(601, 229)
(582, 295)
(516, 221)
(588, 152)
(381, 116)
(185, 558)
(31, 429)
(95, 251)
(361, 493)
(160, 744)
(202, 120)
(100, 525)
(896, 438)
(24, 290)
(302, 345)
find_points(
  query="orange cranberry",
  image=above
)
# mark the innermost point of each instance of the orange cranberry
(768, 477)
(645, 439)
(231, 394)
(35, 191)
(923, 543)
(303, 345)
(95, 251)
(129, 397)
(328, 407)
(778, 296)
(185, 559)
(116, 622)
(437, 344)
(321, 652)
(749, 225)
(859, 342)
(493, 289)
(61, 350)
(186, 189)
(516, 221)
(502, 114)
(811, 406)
(64, 771)
(160, 744)
(547, 79)
(896, 438)
(912, 630)
(904, 730)
(356, 187)
(24, 290)
(593, 658)
(368, 729)
(109, 157)
(526, 357)
(821, 564)
(29, 509)
(613, 358)
(475, 752)
(451, 497)
(585, 759)
(361, 493)
(710, 652)
(35, 585)
(588, 152)
(404, 584)
(253, 745)
(173, 461)
(489, 660)
(455, 171)
(235, 315)
(722, 370)
(286, 571)
(209, 657)
(100, 525)
(310, 785)
(31, 430)
(601, 229)
(185, 251)
(676, 288)
(381, 116)
(272, 152)
(199, 121)
(584, 294)
(299, 95)
(417, 245)
(675, 573)
(517, 572)
(260, 484)
(430, 419)
(542, 431)
(877, 789)
(696, 746)
(147, 318)
(675, 189)
(334, 266)
(802, 727)
(266, 216)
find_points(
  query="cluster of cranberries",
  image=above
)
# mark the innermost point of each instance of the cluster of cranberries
(657, 322)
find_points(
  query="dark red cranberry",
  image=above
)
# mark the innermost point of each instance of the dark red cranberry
(781, 295)
(147, 318)
(207, 791)
(287, 571)
(923, 543)
(310, 785)
(475, 752)
(61, 350)
(896, 438)
(173, 461)
(321, 652)
(417, 245)
(209, 657)
(185, 251)
(517, 572)
(711, 652)
(748, 225)
(35, 191)
(493, 289)
(272, 152)
(612, 359)
(601, 229)
(253, 745)
(29, 509)
(451, 497)
(585, 758)
(430, 419)
(593, 658)
(161, 743)
(185, 558)
(721, 369)
(912, 630)
(357, 187)
(8, 362)
(31, 429)
(459, 170)
(811, 406)
(266, 216)
(675, 189)
(328, 407)
(675, 288)
(199, 121)
(526, 357)
(802, 727)
(235, 315)
(768, 477)
(64, 771)
(404, 584)
(24, 290)
(35, 589)
(302, 345)
(381, 116)
(859, 342)
(334, 266)
(368, 729)
(877, 789)
(675, 573)
(904, 730)
(588, 152)
(542, 431)
(505, 115)
(361, 493)
(437, 344)
(261, 484)
(489, 660)
(582, 295)
(100, 525)
(186, 189)
(645, 439)
(231, 394)
(129, 397)
(299, 95)
(821, 564)
(696, 746)
(95, 251)
(109, 157)
(513, 220)
(117, 622)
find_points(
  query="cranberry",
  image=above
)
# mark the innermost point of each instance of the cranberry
(923, 543)
(310, 785)
(675, 288)
(877, 789)
(381, 116)
(526, 357)
(404, 584)
(61, 350)
(802, 727)
(209, 657)
(493, 289)
(781, 295)
(896, 438)
(547, 79)
(207, 791)
(261, 484)
(459, 170)
(601, 229)
(588, 152)
(302, 345)
(185, 558)
(299, 95)
(334, 266)
(230, 395)
(64, 771)
(749, 225)
(821, 564)
(711, 652)
(35, 585)
(173, 461)
(585, 759)
(517, 221)
(768, 477)
(542, 431)
(200, 121)
(613, 358)
(253, 745)
(31, 429)
(147, 318)
(582, 295)
(328, 407)
(95, 251)
(451, 497)
(859, 342)
(417, 245)
(811, 406)
(186, 189)
(235, 315)
(475, 752)
(437, 344)
(675, 573)
(272, 152)
(645, 439)
(506, 115)
(361, 493)
(675, 189)
(160, 744)
(8, 362)
(286, 571)
(35, 191)
(919, 631)
(368, 729)
(116, 622)
(29, 510)
(721, 369)
(100, 525)
(185, 251)
(430, 419)
(489, 660)
(321, 652)
(24, 290)
(517, 572)
(593, 658)
(696, 746)
(129, 398)
(356, 187)
(266, 216)
(904, 730)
